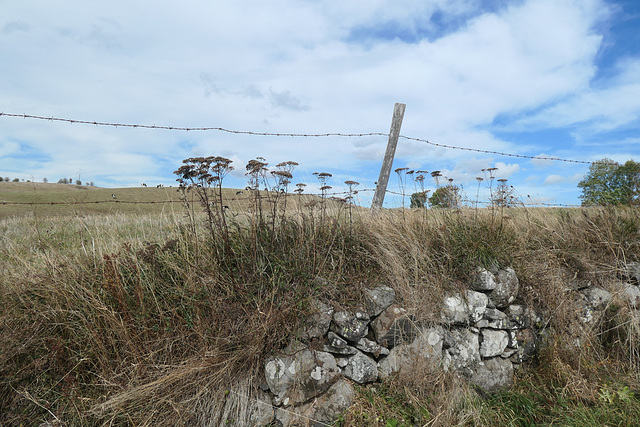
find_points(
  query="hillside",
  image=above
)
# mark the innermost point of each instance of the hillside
(26, 198)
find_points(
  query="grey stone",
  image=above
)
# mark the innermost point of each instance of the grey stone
(335, 340)
(597, 297)
(484, 281)
(361, 369)
(526, 346)
(464, 351)
(371, 347)
(517, 316)
(350, 326)
(378, 299)
(630, 294)
(631, 272)
(321, 411)
(348, 350)
(477, 303)
(393, 326)
(297, 378)
(458, 310)
(455, 310)
(508, 352)
(495, 319)
(506, 290)
(318, 322)
(493, 374)
(426, 346)
(261, 411)
(493, 342)
(342, 361)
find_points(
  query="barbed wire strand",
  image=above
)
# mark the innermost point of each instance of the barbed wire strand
(293, 135)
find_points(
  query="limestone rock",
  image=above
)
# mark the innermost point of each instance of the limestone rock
(458, 310)
(518, 317)
(463, 352)
(493, 374)
(318, 322)
(597, 297)
(393, 326)
(378, 299)
(337, 345)
(495, 319)
(297, 378)
(371, 347)
(631, 272)
(506, 290)
(322, 411)
(494, 342)
(260, 410)
(427, 346)
(361, 368)
(350, 326)
(630, 294)
(525, 344)
(484, 281)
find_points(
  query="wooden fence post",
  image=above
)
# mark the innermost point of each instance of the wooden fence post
(385, 170)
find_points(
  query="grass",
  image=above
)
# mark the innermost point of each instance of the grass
(152, 318)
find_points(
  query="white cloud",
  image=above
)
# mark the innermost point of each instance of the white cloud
(307, 67)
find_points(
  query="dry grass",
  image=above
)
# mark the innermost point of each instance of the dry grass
(147, 320)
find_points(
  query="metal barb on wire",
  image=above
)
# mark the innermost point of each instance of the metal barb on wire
(293, 135)
(477, 150)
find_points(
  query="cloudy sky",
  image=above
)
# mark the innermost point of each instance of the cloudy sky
(546, 78)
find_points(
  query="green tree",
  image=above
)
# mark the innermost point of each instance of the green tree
(447, 196)
(608, 183)
(418, 200)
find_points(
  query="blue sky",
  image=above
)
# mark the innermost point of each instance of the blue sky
(549, 78)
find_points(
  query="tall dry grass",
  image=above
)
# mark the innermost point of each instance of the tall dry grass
(150, 320)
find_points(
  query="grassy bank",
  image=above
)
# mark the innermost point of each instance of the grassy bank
(165, 319)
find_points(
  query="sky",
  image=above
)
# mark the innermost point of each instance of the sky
(531, 78)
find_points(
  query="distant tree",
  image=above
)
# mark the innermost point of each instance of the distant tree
(418, 200)
(16, 179)
(6, 179)
(608, 183)
(63, 181)
(78, 182)
(90, 184)
(447, 196)
(45, 180)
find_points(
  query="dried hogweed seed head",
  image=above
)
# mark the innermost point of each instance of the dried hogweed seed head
(283, 174)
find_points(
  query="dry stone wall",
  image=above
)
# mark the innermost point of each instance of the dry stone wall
(482, 335)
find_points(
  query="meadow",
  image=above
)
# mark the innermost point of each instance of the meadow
(163, 313)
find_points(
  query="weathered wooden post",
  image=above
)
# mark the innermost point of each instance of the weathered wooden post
(385, 170)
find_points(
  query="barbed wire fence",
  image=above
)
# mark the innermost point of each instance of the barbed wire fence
(275, 134)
